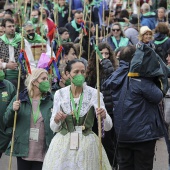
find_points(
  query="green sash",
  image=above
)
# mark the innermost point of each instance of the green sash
(74, 25)
(123, 42)
(60, 9)
(160, 42)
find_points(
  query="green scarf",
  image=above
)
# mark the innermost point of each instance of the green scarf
(74, 25)
(60, 9)
(123, 42)
(37, 39)
(14, 41)
(160, 42)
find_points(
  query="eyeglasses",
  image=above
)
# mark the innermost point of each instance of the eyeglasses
(115, 30)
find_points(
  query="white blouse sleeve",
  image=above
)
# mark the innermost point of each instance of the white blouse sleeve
(107, 121)
(55, 127)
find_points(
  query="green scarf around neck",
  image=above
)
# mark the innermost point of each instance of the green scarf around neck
(123, 42)
(74, 25)
(60, 9)
(160, 42)
(14, 42)
(37, 39)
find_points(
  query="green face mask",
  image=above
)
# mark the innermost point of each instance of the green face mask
(2, 75)
(68, 82)
(78, 80)
(44, 86)
(34, 20)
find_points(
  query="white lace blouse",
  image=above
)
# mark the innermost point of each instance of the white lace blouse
(62, 103)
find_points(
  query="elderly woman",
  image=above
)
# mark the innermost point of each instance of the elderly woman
(117, 38)
(75, 146)
(33, 134)
(162, 40)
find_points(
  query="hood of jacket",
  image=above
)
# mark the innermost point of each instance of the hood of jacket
(118, 76)
(159, 36)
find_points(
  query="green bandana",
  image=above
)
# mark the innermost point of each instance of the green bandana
(14, 41)
(123, 42)
(37, 39)
(60, 9)
(74, 25)
(160, 42)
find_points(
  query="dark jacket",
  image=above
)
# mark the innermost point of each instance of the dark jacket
(108, 70)
(136, 113)
(149, 19)
(7, 92)
(21, 141)
(72, 32)
(165, 45)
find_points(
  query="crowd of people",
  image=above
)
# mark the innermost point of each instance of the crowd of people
(53, 48)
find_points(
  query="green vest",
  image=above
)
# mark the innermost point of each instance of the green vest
(87, 121)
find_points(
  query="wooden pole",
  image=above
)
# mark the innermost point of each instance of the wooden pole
(69, 15)
(17, 98)
(98, 97)
(139, 17)
(31, 7)
(103, 21)
(41, 24)
(89, 35)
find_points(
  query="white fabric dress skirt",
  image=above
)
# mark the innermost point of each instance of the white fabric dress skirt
(60, 157)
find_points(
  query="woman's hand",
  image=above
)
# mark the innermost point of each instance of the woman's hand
(101, 112)
(59, 117)
(16, 105)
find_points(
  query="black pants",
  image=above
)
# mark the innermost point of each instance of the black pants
(109, 143)
(136, 156)
(28, 165)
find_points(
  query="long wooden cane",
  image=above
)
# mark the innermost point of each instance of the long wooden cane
(41, 23)
(98, 98)
(139, 16)
(15, 115)
(89, 34)
(31, 7)
(69, 14)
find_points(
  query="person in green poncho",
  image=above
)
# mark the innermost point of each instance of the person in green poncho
(10, 44)
(7, 92)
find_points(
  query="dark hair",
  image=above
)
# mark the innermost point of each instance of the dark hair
(168, 52)
(124, 14)
(70, 63)
(7, 20)
(126, 54)
(61, 30)
(39, 12)
(91, 68)
(162, 28)
(89, 25)
(78, 12)
(67, 46)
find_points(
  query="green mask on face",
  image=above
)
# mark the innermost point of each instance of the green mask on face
(78, 80)
(34, 20)
(68, 82)
(2, 75)
(44, 86)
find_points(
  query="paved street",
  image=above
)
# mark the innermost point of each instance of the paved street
(160, 160)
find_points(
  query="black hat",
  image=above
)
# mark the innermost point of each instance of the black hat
(134, 19)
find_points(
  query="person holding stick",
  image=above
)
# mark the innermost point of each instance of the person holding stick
(8, 91)
(75, 146)
(32, 134)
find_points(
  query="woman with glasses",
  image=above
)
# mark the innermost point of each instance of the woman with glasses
(117, 38)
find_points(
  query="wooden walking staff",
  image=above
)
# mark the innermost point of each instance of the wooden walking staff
(139, 17)
(31, 7)
(41, 23)
(17, 98)
(98, 98)
(69, 14)
(89, 34)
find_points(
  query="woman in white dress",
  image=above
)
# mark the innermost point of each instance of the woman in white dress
(75, 146)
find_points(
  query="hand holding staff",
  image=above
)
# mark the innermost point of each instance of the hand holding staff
(98, 97)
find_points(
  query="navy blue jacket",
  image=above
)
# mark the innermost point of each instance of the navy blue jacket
(136, 113)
